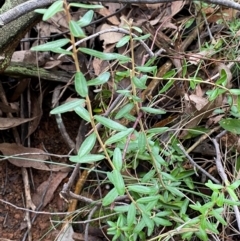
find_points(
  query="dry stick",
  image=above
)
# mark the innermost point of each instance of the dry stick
(60, 123)
(31, 5)
(196, 165)
(87, 225)
(223, 175)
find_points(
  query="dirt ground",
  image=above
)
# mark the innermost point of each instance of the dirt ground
(12, 220)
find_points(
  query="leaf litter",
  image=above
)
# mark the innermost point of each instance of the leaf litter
(167, 24)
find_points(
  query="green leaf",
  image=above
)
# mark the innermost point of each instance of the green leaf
(61, 51)
(142, 189)
(232, 125)
(56, 7)
(235, 185)
(104, 56)
(148, 199)
(213, 94)
(123, 41)
(213, 186)
(126, 109)
(86, 6)
(50, 46)
(81, 84)
(141, 142)
(153, 110)
(69, 106)
(86, 19)
(110, 197)
(146, 36)
(101, 79)
(223, 78)
(119, 136)
(137, 29)
(140, 83)
(40, 10)
(166, 86)
(110, 123)
(219, 217)
(235, 91)
(87, 159)
(145, 69)
(162, 222)
(83, 113)
(121, 209)
(87, 145)
(232, 194)
(131, 216)
(148, 222)
(76, 30)
(117, 159)
(148, 176)
(118, 182)
(175, 191)
(158, 130)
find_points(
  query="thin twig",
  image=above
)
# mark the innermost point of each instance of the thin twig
(197, 166)
(31, 5)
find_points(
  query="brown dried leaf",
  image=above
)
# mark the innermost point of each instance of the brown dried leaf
(7, 123)
(36, 112)
(111, 37)
(29, 158)
(50, 185)
(105, 12)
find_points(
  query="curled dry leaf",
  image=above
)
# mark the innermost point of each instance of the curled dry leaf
(27, 157)
(7, 123)
(50, 185)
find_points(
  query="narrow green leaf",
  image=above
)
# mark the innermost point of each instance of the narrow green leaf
(141, 142)
(166, 86)
(149, 175)
(213, 186)
(87, 145)
(235, 185)
(235, 91)
(232, 125)
(117, 159)
(119, 136)
(104, 56)
(40, 10)
(87, 159)
(142, 189)
(131, 216)
(162, 222)
(50, 46)
(218, 216)
(123, 41)
(118, 182)
(126, 109)
(76, 30)
(175, 191)
(69, 106)
(86, 6)
(61, 51)
(121, 209)
(101, 79)
(146, 36)
(81, 84)
(169, 74)
(145, 69)
(153, 110)
(110, 197)
(138, 83)
(56, 7)
(158, 131)
(86, 19)
(139, 30)
(148, 222)
(148, 199)
(83, 113)
(110, 123)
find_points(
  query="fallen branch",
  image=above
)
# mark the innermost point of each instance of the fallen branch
(31, 5)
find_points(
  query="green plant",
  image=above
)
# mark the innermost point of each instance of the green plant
(158, 197)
